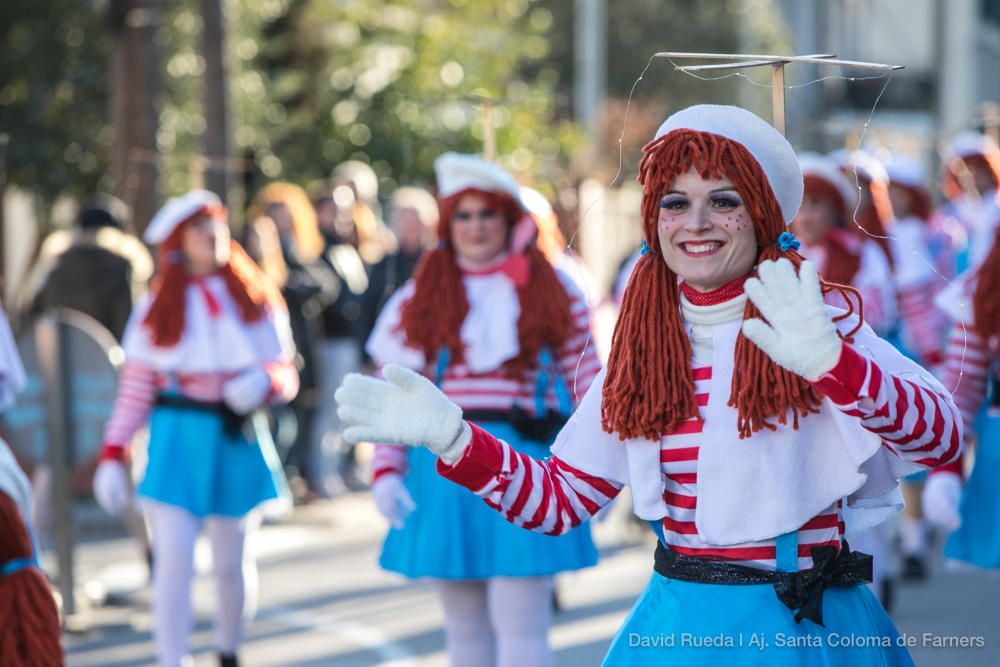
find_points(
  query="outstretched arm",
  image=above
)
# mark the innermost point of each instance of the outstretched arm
(406, 408)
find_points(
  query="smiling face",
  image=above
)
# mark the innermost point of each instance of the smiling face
(478, 229)
(705, 232)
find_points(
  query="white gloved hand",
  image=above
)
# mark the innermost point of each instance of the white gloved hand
(406, 408)
(112, 487)
(942, 492)
(392, 499)
(247, 391)
(799, 334)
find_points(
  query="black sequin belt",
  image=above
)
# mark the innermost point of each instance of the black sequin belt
(802, 591)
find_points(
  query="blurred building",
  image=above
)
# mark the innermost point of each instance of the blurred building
(951, 54)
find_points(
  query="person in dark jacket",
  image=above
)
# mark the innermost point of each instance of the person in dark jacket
(340, 349)
(96, 268)
(414, 218)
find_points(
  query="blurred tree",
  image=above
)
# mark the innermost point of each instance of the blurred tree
(54, 96)
(395, 84)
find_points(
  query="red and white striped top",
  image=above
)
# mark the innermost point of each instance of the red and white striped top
(553, 497)
(967, 368)
(139, 385)
(925, 324)
(577, 362)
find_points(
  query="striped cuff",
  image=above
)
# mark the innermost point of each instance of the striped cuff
(846, 383)
(481, 467)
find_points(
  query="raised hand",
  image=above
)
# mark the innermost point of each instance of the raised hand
(798, 334)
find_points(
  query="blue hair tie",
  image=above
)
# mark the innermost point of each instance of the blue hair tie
(786, 241)
(644, 250)
(16, 565)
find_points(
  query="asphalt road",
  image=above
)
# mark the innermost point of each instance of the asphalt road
(325, 602)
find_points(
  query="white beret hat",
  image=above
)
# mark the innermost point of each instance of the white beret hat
(822, 166)
(535, 202)
(967, 144)
(904, 170)
(867, 166)
(771, 150)
(176, 211)
(457, 172)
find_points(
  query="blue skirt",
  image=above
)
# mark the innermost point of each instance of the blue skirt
(196, 465)
(683, 623)
(453, 534)
(977, 540)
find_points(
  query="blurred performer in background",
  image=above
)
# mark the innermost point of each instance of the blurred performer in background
(209, 347)
(97, 268)
(29, 620)
(823, 225)
(972, 370)
(970, 181)
(503, 334)
(921, 257)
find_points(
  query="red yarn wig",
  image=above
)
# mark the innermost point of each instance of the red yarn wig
(649, 388)
(432, 318)
(843, 252)
(252, 291)
(29, 620)
(874, 218)
(986, 297)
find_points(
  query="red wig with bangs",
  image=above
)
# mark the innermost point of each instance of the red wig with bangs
(649, 388)
(252, 291)
(432, 318)
(843, 260)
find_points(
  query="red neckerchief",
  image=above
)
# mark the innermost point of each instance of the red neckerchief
(730, 290)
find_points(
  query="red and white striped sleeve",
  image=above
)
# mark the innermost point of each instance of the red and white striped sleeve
(913, 420)
(547, 496)
(137, 387)
(966, 370)
(578, 360)
(924, 321)
(389, 459)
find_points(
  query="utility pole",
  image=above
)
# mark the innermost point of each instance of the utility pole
(216, 98)
(590, 49)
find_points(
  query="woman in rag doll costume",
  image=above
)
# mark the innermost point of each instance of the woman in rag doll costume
(29, 620)
(757, 426)
(497, 333)
(970, 509)
(209, 348)
(829, 240)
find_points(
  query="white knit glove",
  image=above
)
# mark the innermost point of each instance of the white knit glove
(406, 408)
(392, 499)
(112, 487)
(247, 391)
(799, 334)
(942, 492)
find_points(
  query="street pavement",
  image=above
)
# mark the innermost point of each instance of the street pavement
(324, 601)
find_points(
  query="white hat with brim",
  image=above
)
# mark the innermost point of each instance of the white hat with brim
(968, 144)
(772, 151)
(457, 172)
(536, 203)
(908, 171)
(823, 167)
(177, 211)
